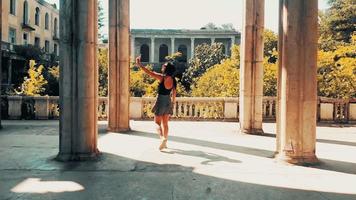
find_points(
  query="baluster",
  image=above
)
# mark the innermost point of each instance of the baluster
(270, 108)
(264, 109)
(191, 110)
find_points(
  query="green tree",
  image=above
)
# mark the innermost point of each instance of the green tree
(337, 24)
(103, 71)
(270, 44)
(221, 80)
(205, 56)
(34, 83)
(52, 77)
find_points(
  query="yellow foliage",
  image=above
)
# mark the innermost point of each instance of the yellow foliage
(221, 80)
(34, 83)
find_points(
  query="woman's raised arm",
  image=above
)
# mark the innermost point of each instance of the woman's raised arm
(153, 74)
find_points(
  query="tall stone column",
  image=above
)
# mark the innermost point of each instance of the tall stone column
(0, 56)
(119, 65)
(133, 50)
(297, 82)
(212, 40)
(251, 71)
(9, 76)
(233, 40)
(173, 48)
(192, 47)
(152, 59)
(78, 80)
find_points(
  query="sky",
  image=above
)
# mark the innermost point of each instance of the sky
(193, 14)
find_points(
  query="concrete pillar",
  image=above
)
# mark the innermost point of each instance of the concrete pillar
(192, 47)
(9, 75)
(251, 71)
(173, 48)
(297, 98)
(78, 80)
(133, 56)
(119, 65)
(152, 53)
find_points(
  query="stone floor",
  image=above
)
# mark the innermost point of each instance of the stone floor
(206, 160)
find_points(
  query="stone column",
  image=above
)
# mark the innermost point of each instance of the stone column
(78, 80)
(233, 40)
(173, 46)
(297, 82)
(192, 47)
(212, 40)
(119, 65)
(152, 59)
(0, 57)
(251, 71)
(133, 56)
(9, 75)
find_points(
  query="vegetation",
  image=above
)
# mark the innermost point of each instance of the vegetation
(205, 56)
(34, 83)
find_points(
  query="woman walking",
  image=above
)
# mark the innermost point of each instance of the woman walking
(165, 101)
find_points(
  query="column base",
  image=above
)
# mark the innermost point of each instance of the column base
(252, 131)
(119, 130)
(305, 160)
(67, 157)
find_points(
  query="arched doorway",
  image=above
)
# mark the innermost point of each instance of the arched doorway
(163, 52)
(184, 51)
(145, 53)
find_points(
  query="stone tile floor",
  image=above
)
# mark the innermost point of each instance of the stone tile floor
(205, 160)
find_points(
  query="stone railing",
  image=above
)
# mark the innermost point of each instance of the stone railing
(186, 108)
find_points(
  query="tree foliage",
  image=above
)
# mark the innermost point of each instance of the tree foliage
(34, 83)
(337, 24)
(103, 62)
(337, 71)
(221, 80)
(270, 44)
(205, 56)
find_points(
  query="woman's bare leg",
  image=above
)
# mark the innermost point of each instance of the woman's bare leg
(165, 119)
(158, 121)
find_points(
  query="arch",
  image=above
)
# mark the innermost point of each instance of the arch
(46, 21)
(184, 51)
(37, 16)
(223, 48)
(25, 12)
(163, 52)
(55, 27)
(13, 7)
(145, 53)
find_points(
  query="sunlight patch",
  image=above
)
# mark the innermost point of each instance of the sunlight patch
(36, 186)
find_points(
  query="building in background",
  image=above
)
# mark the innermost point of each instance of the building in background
(154, 44)
(29, 28)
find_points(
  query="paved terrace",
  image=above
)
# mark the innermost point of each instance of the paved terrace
(206, 160)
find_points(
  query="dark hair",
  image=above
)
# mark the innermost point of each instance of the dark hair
(170, 69)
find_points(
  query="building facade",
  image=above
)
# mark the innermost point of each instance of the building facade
(154, 44)
(26, 23)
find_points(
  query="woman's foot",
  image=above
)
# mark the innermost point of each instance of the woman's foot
(163, 144)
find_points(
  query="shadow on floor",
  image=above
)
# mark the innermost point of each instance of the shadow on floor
(210, 157)
(325, 164)
(147, 180)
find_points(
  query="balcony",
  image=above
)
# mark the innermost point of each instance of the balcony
(27, 27)
(55, 37)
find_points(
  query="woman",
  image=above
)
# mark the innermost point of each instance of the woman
(163, 107)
